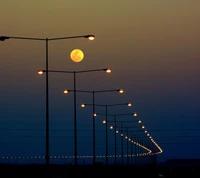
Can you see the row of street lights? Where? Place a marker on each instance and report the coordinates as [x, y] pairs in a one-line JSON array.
[[46, 40]]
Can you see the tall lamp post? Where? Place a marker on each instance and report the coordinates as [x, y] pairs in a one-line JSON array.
[[106, 114], [46, 40], [75, 117], [115, 127], [93, 106]]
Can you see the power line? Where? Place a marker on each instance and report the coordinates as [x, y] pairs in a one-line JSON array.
[[184, 136], [159, 130], [188, 143], [70, 130]]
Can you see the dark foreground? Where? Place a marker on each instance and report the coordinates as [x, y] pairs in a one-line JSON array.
[[68, 171]]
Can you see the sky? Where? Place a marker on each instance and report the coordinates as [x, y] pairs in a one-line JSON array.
[[152, 48]]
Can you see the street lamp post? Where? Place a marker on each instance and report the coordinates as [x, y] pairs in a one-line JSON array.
[[122, 146], [93, 106], [46, 40], [127, 147], [135, 152], [66, 91], [106, 114], [131, 150], [115, 117]]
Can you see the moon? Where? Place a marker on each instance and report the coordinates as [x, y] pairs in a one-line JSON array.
[[77, 55]]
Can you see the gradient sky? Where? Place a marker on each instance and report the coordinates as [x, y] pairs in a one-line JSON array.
[[152, 47]]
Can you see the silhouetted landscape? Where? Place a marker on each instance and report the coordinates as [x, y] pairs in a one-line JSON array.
[[171, 168]]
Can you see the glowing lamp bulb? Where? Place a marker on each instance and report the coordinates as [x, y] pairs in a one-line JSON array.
[[108, 70], [121, 91], [129, 104], [40, 72], [91, 37], [66, 91], [82, 105]]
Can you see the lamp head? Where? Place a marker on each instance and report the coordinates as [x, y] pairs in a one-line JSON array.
[[129, 104], [135, 114], [121, 91], [90, 37], [66, 91], [143, 127], [108, 70], [82, 105], [40, 72]]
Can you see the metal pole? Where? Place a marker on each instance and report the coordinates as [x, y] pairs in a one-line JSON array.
[[94, 144], [141, 157], [47, 105], [127, 148], [106, 137], [135, 151], [115, 140], [131, 150], [122, 154], [75, 130], [138, 160]]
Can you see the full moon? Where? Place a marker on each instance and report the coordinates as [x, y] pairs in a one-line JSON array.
[[77, 55]]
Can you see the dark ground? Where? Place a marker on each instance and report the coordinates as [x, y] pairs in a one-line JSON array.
[[68, 171]]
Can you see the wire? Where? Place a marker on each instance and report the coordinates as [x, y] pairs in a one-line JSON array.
[[159, 130]]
